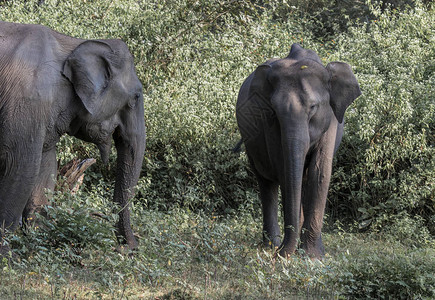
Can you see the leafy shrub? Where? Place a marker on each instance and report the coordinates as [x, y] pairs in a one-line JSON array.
[[385, 168], [326, 19], [72, 223]]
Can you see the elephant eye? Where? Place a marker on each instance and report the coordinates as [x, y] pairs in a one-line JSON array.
[[313, 109], [134, 101]]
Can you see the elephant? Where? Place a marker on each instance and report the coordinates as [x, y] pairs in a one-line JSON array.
[[290, 115], [53, 84]]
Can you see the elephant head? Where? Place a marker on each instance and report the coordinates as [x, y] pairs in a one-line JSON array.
[[290, 113], [103, 76], [299, 85]]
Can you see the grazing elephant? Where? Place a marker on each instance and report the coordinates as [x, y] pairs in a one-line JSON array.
[[51, 84], [290, 115]]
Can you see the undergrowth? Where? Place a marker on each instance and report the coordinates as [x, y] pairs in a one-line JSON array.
[[189, 255]]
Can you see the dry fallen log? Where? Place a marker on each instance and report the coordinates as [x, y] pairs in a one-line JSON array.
[[71, 175]]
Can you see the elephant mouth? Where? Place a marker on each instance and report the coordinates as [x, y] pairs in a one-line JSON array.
[[100, 136]]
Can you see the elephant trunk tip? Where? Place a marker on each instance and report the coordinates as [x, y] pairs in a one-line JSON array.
[[105, 151]]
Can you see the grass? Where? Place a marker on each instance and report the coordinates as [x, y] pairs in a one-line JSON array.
[[186, 255]]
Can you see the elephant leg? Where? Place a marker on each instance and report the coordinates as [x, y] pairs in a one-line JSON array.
[[45, 181], [18, 172], [315, 194], [269, 202]]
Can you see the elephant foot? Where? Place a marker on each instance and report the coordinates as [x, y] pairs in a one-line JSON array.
[[125, 250], [313, 253], [272, 243], [126, 237], [128, 247], [131, 243], [286, 251], [314, 250]]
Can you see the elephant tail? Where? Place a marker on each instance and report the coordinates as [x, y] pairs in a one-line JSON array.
[[238, 147]]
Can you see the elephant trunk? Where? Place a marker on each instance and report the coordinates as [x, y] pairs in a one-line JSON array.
[[295, 147], [129, 139]]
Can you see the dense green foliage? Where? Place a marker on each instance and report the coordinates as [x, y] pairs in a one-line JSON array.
[[385, 170], [192, 57]]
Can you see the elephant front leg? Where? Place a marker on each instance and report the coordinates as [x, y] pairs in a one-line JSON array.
[[45, 181], [18, 172], [269, 201], [314, 198]]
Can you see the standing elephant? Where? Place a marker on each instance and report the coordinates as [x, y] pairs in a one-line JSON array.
[[51, 84], [290, 114]]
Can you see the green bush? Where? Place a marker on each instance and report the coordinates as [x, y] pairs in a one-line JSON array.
[[385, 169], [326, 19], [73, 225]]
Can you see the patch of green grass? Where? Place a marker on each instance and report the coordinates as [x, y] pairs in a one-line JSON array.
[[191, 255]]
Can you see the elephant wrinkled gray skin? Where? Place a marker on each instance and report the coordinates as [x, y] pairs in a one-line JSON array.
[[51, 84], [290, 115]]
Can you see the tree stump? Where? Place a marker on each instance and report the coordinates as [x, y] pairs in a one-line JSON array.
[[71, 175]]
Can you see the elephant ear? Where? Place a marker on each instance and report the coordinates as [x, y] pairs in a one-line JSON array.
[[89, 69], [344, 88], [260, 84]]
